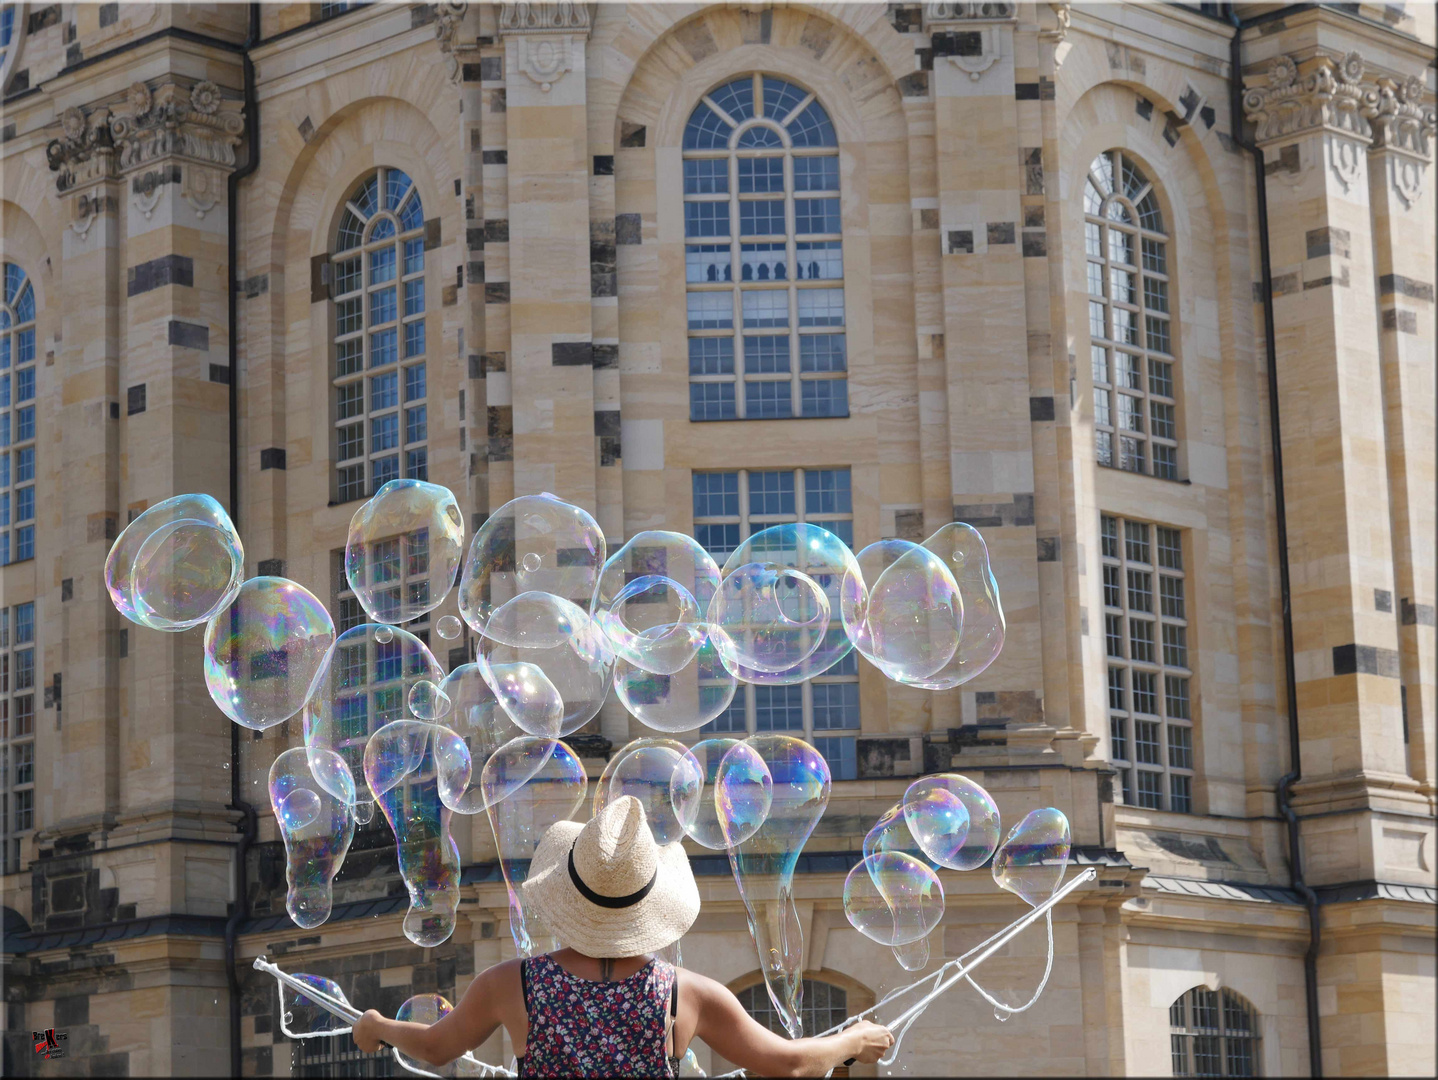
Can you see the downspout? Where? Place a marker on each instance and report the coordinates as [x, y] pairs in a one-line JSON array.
[[247, 829], [1290, 680]]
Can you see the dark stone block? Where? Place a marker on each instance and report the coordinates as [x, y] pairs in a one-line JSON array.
[[1001, 232], [1417, 614], [915, 85], [474, 271], [1405, 322], [1390, 284], [1356, 659], [1041, 408], [926, 59], [909, 525], [256, 286], [424, 979], [610, 450], [928, 219], [271, 568], [421, 15], [906, 18], [501, 449], [471, 72], [272, 457], [571, 354], [498, 101], [1188, 101], [474, 238], [501, 421], [188, 335], [1340, 280], [258, 1061], [491, 68], [166, 270], [433, 234], [496, 292], [1048, 548], [1328, 241], [263, 1025], [1170, 130], [1033, 217], [938, 757], [606, 355], [306, 129], [109, 15], [1026, 91], [986, 697], [44, 17], [496, 231], [1382, 600], [628, 229], [1105, 790], [135, 399], [961, 242], [494, 361], [1046, 89], [631, 136], [603, 283], [603, 164], [606, 421], [1035, 245], [72, 1011], [116, 1064], [1207, 115], [74, 54], [494, 157]]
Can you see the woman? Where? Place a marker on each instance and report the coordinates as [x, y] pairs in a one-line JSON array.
[[604, 1006]]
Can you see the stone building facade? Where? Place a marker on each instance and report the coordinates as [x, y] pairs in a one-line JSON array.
[[701, 267]]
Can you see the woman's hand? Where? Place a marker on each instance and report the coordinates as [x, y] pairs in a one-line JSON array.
[[869, 1041], [366, 1031]]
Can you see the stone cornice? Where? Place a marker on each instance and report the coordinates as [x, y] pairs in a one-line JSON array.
[[1329, 96], [1400, 121], [968, 13], [544, 18]]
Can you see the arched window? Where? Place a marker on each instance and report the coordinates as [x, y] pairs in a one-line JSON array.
[[824, 1005], [381, 420], [763, 255], [17, 418], [1214, 1033], [12, 36], [1129, 320]]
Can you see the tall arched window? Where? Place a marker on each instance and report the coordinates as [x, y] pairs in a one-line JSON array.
[[1135, 422], [1214, 1033], [381, 420], [763, 255], [17, 418]]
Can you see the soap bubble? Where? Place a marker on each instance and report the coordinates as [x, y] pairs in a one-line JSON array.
[[520, 819], [482, 726], [653, 623], [302, 1018], [893, 898], [532, 543], [176, 565], [934, 822], [425, 1009], [555, 639], [316, 824], [683, 701], [1031, 861], [912, 955], [746, 795], [656, 552], [891, 833], [401, 770], [664, 776], [427, 701], [365, 684], [265, 650], [449, 627], [764, 863], [967, 556], [403, 550], [794, 559], [913, 614]]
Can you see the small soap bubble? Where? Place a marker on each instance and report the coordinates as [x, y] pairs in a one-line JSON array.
[[316, 824], [449, 627], [912, 614], [893, 898], [664, 776], [176, 565], [683, 701], [1000, 1015], [303, 1018], [427, 701], [967, 557], [404, 549], [384, 635], [749, 790], [265, 651], [937, 833], [1031, 861], [535, 543]]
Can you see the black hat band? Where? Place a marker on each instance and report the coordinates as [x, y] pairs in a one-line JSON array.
[[600, 900]]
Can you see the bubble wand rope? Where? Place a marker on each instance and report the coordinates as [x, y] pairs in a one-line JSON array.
[[351, 1015]]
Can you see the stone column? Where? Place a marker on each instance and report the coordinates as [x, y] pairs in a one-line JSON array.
[[551, 362]]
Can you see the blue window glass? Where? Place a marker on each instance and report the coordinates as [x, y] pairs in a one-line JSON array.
[[25, 543], [384, 432], [708, 262], [816, 173], [766, 354], [350, 442], [416, 425], [764, 262], [383, 230], [382, 306], [762, 217], [381, 266], [413, 256], [414, 382], [706, 176], [816, 216], [824, 397], [4, 508], [25, 385], [759, 138], [716, 494], [4, 389], [768, 400], [711, 401], [4, 470], [24, 464], [771, 493], [348, 356], [25, 504], [412, 216], [24, 623], [841, 754], [706, 218], [822, 352], [711, 356], [730, 720], [736, 99], [25, 423], [827, 491], [759, 175], [382, 348], [414, 296], [812, 127], [778, 708], [396, 187], [417, 464], [781, 98], [4, 429], [710, 310], [718, 540], [414, 338], [5, 549], [384, 390], [384, 469], [705, 130], [836, 705]]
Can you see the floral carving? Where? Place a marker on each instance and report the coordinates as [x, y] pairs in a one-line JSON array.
[[205, 97], [139, 99]]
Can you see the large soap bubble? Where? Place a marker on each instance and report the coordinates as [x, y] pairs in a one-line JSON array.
[[365, 683], [651, 597], [535, 543], [941, 815], [403, 550], [764, 863], [482, 727], [303, 1018], [265, 650], [1031, 861], [912, 615], [735, 813], [551, 793], [666, 779], [401, 770], [893, 898], [426, 1009], [316, 823], [793, 556], [176, 565], [967, 556], [959, 842], [683, 701]]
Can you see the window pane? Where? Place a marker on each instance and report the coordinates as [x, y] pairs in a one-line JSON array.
[[778, 708], [822, 352], [1180, 747], [1150, 790], [382, 348], [384, 390], [1175, 697], [706, 219], [1175, 646], [771, 493], [711, 401], [382, 306], [716, 494], [711, 356], [1112, 594], [816, 174], [768, 307], [827, 491], [763, 262], [710, 311], [763, 217], [836, 706], [819, 260], [708, 177], [816, 216], [768, 400], [1118, 740], [841, 755], [349, 356], [707, 262], [1115, 688], [1145, 696], [821, 307], [414, 382], [1135, 541], [759, 175], [824, 397], [1141, 640], [1140, 591], [766, 354]]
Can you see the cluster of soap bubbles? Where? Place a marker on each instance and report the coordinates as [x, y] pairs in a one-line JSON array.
[[946, 821], [557, 623]]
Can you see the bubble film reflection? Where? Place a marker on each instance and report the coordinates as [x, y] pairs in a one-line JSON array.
[[403, 550], [264, 652], [301, 1018], [666, 779], [749, 787], [683, 701], [316, 824], [893, 898], [428, 701], [912, 614], [402, 773], [1031, 861], [176, 565], [936, 832], [425, 1009], [571, 655], [966, 555], [481, 727]]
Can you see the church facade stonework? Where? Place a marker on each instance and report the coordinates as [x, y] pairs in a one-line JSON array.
[[878, 267]]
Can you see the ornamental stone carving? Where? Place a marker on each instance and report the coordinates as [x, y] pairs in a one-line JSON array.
[[541, 18], [968, 12], [447, 18], [1403, 131], [548, 35], [84, 153], [1330, 97]]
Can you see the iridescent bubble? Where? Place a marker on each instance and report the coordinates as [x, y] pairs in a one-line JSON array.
[[535, 543], [666, 779], [746, 795], [401, 770], [302, 1018], [683, 701], [265, 650], [481, 726], [403, 550], [767, 618], [653, 623], [1030, 863], [967, 556], [316, 824], [427, 701], [893, 898], [912, 955], [176, 565], [527, 697], [821, 557], [449, 627], [891, 833], [520, 818], [363, 685], [764, 863], [912, 615], [425, 1009], [934, 823]]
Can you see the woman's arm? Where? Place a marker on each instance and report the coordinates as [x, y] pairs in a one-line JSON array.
[[472, 1021], [731, 1032]]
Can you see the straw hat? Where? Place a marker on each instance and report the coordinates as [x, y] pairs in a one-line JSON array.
[[607, 889]]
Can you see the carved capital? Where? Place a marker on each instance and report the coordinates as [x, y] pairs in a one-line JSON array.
[[447, 18], [84, 152], [548, 36], [197, 124], [545, 18], [1403, 129], [1328, 96], [937, 14], [1054, 27]]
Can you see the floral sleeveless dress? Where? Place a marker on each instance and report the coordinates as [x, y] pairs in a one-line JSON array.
[[583, 1028]]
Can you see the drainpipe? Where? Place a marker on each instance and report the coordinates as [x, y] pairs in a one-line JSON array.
[[237, 802], [1286, 782]]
